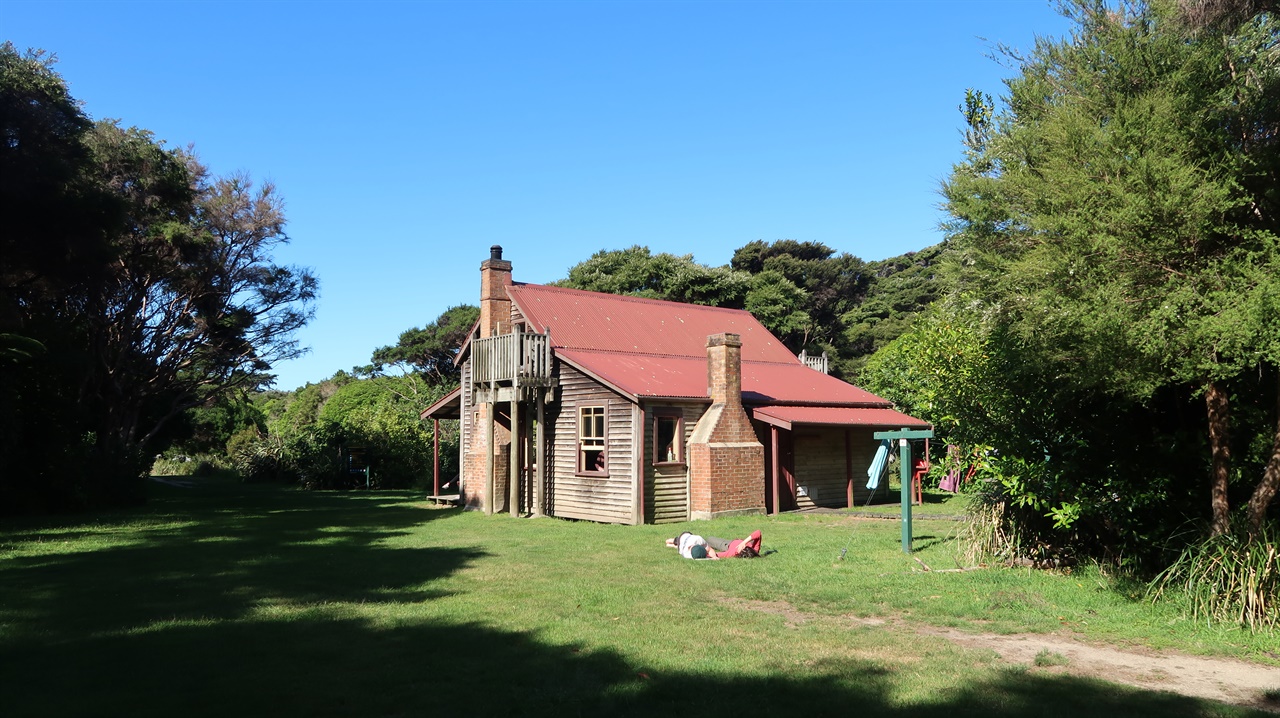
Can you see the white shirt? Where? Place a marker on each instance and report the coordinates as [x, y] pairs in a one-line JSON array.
[[688, 541]]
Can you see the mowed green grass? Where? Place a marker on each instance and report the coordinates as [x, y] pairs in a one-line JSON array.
[[225, 599]]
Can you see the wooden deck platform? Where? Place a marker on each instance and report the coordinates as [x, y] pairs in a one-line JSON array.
[[452, 499]]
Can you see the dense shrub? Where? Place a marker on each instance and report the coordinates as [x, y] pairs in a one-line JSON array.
[[1068, 474], [313, 456]]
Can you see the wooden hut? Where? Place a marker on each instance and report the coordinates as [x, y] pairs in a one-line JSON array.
[[629, 410]]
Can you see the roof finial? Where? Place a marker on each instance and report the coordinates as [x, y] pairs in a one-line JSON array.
[[495, 252]]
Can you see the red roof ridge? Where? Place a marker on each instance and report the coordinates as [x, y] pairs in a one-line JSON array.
[[623, 352], [767, 403], [627, 297], [775, 363]]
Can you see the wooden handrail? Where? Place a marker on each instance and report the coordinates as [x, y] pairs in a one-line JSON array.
[[519, 358]]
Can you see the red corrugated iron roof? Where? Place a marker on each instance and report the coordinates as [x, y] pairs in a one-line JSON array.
[[658, 349], [617, 323], [649, 375], [788, 416]]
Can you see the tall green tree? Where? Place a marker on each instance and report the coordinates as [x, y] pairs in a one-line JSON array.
[[430, 351], [771, 296], [898, 290], [831, 284], [150, 283], [42, 179], [639, 272], [1120, 216], [191, 305]]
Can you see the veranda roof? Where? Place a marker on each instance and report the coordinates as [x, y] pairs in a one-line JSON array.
[[787, 417], [448, 406]]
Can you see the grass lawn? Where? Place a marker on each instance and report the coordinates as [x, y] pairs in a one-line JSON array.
[[936, 503], [225, 599]]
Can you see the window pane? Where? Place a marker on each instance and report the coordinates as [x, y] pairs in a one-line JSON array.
[[666, 438], [591, 422], [593, 461]]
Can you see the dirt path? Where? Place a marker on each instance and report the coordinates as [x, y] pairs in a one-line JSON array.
[[1222, 679]]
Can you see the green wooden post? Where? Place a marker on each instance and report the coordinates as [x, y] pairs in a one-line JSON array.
[[904, 470], [904, 473]]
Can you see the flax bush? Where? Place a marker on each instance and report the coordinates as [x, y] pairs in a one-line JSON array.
[[1232, 578], [258, 457]]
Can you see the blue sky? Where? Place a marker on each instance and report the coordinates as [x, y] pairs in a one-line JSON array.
[[407, 137]]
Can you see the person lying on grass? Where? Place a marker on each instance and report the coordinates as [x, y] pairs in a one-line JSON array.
[[691, 545]]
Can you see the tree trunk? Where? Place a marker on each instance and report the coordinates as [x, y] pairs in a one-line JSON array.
[[1265, 492], [1215, 400]]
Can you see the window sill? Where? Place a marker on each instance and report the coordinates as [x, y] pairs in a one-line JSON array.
[[592, 474]]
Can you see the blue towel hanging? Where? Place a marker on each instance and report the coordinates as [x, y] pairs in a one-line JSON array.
[[876, 470]]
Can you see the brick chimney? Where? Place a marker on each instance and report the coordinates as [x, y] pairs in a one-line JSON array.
[[726, 461], [495, 305], [724, 369], [495, 319]]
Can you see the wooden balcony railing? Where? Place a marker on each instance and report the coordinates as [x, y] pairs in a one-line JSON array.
[[815, 363], [516, 359]]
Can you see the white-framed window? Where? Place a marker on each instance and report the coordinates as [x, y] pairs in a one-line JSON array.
[[592, 453]]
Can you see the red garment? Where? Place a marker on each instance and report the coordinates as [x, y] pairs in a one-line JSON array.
[[735, 545]]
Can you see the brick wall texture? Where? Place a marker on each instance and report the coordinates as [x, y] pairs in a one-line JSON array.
[[473, 461], [495, 305]]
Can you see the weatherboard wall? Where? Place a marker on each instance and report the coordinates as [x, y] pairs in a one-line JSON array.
[[570, 494], [820, 467], [666, 486]]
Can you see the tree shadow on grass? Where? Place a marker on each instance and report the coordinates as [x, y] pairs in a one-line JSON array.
[[924, 542], [219, 560], [351, 668], [937, 496]]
